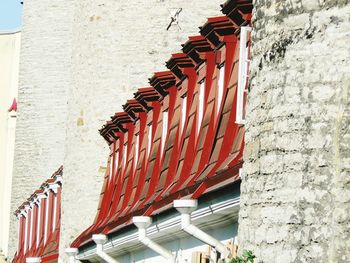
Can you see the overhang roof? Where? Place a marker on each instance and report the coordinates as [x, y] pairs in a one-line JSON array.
[[49, 250], [194, 161]]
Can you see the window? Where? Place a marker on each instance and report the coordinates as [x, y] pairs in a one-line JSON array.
[[20, 218], [149, 142], [200, 111], [242, 74], [136, 156], [165, 130], [38, 226], [220, 91], [26, 232], [46, 217], [54, 212], [31, 224], [116, 163], [183, 113], [125, 156]]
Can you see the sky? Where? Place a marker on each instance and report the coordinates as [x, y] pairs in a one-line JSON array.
[[10, 14]]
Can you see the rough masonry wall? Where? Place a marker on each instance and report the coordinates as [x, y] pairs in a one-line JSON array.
[[295, 203], [117, 47], [43, 81]]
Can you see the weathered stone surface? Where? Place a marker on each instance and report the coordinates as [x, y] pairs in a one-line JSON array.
[[80, 61], [295, 203], [117, 45], [44, 79]]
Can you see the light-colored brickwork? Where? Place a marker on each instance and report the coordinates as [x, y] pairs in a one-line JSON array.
[[295, 203], [117, 47], [91, 55], [43, 82]]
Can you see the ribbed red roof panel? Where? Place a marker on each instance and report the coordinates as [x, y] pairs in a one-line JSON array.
[[186, 142], [48, 250]]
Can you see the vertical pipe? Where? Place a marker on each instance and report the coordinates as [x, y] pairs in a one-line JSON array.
[[71, 252], [242, 73]]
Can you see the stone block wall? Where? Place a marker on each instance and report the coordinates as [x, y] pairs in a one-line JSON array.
[[295, 203], [80, 61], [116, 47], [44, 78]]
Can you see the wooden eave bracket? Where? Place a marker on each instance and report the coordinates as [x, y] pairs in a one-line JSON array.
[[216, 28], [108, 132], [120, 119], [146, 96], [133, 108], [239, 11], [51, 180], [161, 81], [178, 63], [196, 48]]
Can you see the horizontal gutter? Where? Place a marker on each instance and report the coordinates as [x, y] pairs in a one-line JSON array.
[[171, 225]]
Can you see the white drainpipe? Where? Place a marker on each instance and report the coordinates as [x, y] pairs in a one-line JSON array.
[[186, 207], [100, 240], [33, 260], [142, 223], [242, 73], [71, 252]]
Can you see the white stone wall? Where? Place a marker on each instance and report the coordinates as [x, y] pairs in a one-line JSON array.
[[117, 45], [92, 55], [295, 203], [42, 98]]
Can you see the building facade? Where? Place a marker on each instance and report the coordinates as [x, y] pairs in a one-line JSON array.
[[116, 45], [44, 78], [180, 137], [72, 58], [9, 61]]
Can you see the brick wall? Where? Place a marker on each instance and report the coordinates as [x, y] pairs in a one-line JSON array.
[[295, 203]]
